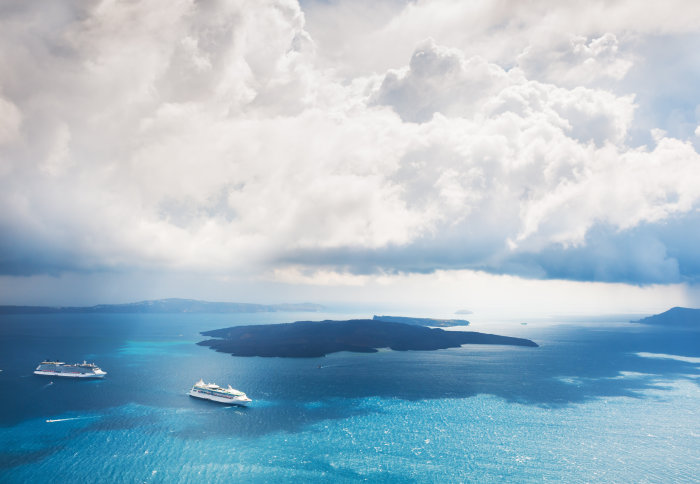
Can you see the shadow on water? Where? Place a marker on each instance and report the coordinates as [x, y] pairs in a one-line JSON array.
[[14, 458], [572, 365]]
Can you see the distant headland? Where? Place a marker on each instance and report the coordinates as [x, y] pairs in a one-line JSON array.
[[674, 317], [173, 305], [442, 323], [304, 339]]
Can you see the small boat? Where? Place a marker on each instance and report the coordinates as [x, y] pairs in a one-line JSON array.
[[213, 392]]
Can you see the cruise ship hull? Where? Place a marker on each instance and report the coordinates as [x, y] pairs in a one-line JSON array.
[[230, 400], [70, 374]]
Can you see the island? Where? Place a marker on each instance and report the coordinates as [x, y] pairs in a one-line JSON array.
[[442, 323], [674, 317], [304, 339], [463, 311], [172, 305]]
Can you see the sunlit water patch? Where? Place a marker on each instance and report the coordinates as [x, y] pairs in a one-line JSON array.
[[160, 348], [687, 359]]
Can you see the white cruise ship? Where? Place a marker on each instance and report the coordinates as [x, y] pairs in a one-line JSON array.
[[75, 370], [211, 391]]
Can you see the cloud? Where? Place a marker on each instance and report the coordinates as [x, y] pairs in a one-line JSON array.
[[10, 122], [359, 37], [576, 61], [439, 79], [218, 138], [442, 80]]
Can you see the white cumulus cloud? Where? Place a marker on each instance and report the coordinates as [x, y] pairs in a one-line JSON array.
[[220, 137]]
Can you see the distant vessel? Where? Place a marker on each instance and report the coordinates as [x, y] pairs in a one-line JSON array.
[[76, 370], [211, 391]]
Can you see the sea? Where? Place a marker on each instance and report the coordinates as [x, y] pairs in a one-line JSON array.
[[597, 401]]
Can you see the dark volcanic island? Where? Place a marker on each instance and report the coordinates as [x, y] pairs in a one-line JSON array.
[[305, 339]]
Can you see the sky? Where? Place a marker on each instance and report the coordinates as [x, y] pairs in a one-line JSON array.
[[531, 157]]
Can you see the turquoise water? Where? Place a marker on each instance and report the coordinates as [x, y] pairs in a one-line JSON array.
[[607, 403]]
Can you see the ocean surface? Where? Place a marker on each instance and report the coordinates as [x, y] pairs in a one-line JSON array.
[[596, 402]]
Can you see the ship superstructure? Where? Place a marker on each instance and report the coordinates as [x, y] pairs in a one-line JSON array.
[[212, 391], [75, 370]]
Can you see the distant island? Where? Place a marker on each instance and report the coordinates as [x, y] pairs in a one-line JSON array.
[[442, 323], [173, 305], [463, 311], [304, 339], [674, 317]]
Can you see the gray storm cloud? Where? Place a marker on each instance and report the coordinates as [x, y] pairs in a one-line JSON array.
[[217, 137]]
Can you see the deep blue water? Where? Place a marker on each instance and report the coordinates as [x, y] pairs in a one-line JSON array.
[[595, 402]]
